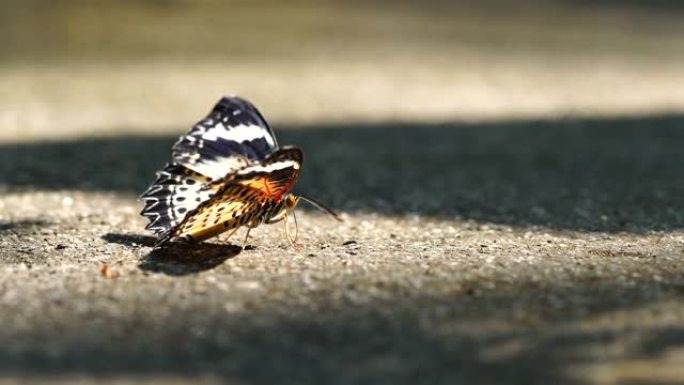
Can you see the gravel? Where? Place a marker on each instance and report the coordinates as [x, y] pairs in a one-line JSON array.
[[469, 254]]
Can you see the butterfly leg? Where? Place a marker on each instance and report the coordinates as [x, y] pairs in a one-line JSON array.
[[250, 226], [227, 237], [244, 243], [277, 218], [293, 241], [282, 216]]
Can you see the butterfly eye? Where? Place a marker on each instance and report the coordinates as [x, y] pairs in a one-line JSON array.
[[291, 201]]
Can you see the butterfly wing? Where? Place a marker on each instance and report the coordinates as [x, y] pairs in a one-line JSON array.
[[275, 176], [232, 207], [250, 195], [176, 191], [232, 136]]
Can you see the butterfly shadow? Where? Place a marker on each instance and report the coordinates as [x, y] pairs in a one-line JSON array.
[[177, 259]]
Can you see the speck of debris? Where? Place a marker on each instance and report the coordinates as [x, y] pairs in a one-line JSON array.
[[107, 272], [60, 247], [347, 243], [250, 247]]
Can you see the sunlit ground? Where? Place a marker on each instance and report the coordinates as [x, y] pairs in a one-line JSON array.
[[105, 69], [510, 178]]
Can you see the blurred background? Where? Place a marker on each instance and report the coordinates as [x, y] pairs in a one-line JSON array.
[[83, 68]]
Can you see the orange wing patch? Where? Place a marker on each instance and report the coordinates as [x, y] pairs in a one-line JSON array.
[[275, 176], [270, 188]]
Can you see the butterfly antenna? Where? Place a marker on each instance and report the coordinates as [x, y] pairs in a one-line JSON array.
[[321, 207]]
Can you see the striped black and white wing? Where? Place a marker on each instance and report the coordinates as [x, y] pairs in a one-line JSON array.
[[232, 136], [176, 191]]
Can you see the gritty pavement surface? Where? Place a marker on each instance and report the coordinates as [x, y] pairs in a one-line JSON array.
[[508, 219], [469, 254]]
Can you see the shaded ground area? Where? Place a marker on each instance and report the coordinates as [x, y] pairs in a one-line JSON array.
[[619, 174], [471, 253]]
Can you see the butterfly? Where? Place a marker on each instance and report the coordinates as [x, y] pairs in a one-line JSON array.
[[227, 172]]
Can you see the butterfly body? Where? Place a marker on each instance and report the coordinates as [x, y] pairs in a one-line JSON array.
[[209, 228], [227, 172]]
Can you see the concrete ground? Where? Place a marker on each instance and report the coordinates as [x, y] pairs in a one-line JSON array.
[[509, 219]]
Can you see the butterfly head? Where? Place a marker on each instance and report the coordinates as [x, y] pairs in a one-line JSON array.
[[291, 201]]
